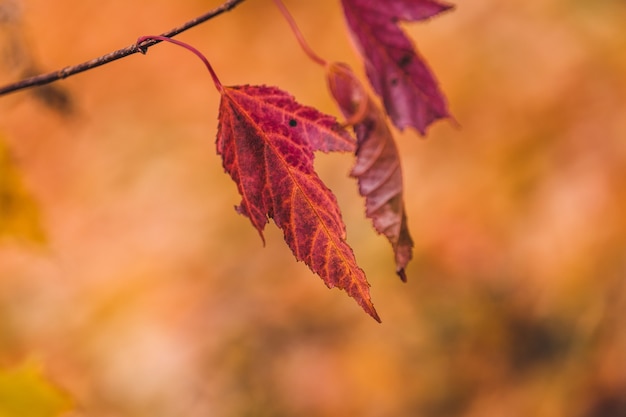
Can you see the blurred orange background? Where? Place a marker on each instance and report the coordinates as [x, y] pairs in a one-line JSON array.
[[151, 296]]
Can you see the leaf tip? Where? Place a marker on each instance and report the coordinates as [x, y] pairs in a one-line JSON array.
[[448, 7], [259, 227], [367, 305], [372, 312], [402, 274]]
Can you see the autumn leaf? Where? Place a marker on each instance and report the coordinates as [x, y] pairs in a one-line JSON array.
[[398, 74], [19, 214], [377, 166], [266, 140]]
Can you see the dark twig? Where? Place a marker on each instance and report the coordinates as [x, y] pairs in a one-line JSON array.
[[43, 79]]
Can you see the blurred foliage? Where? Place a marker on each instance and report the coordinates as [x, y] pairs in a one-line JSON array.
[[24, 392], [156, 299], [19, 215], [18, 60]]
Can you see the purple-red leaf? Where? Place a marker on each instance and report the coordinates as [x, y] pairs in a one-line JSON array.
[[398, 74], [266, 140], [377, 165]]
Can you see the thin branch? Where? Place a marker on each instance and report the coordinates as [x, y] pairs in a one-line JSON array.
[[63, 73]]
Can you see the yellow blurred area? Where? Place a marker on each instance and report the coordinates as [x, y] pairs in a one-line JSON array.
[[19, 216], [24, 392], [153, 297]]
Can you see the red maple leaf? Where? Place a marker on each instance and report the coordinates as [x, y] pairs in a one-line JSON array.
[[377, 167], [398, 74], [266, 140]]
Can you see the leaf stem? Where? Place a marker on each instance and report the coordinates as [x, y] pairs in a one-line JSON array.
[[68, 71], [296, 31], [147, 38]]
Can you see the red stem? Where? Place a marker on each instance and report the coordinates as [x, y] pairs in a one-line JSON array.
[[296, 31], [188, 47]]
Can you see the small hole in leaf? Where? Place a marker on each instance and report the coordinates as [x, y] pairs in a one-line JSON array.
[[405, 60], [293, 122]]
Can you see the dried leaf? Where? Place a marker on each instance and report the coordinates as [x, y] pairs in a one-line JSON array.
[[398, 74], [266, 140], [377, 165]]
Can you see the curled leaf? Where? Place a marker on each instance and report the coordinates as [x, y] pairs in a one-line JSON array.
[[377, 166], [398, 74], [266, 140]]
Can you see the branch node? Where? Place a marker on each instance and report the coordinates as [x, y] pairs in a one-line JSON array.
[[143, 45]]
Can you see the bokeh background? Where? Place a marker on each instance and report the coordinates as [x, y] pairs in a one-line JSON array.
[[130, 287]]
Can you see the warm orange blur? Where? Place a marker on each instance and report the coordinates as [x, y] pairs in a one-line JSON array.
[[153, 297]]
